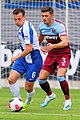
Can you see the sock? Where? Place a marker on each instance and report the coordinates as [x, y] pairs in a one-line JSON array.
[[14, 88], [46, 87], [30, 96], [65, 89]]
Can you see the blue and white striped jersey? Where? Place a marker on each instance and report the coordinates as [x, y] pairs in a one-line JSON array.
[[28, 35]]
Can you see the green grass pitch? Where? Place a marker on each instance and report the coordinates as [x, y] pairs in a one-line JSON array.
[[54, 111]]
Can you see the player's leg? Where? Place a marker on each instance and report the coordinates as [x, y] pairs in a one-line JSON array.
[[32, 72], [44, 84], [65, 87], [30, 91], [18, 69], [13, 83]]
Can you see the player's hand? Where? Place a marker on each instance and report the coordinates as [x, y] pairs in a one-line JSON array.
[[43, 49], [49, 47], [13, 59]]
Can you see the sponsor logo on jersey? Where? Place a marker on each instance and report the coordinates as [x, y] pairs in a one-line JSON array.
[[51, 37]]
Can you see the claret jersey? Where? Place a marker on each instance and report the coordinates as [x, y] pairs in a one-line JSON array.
[[53, 33]]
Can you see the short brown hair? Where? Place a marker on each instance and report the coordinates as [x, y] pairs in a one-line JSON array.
[[47, 9], [18, 10]]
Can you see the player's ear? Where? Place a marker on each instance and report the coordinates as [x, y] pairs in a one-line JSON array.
[[24, 16], [53, 15]]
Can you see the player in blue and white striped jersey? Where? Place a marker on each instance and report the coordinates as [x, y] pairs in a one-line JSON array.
[[29, 61]]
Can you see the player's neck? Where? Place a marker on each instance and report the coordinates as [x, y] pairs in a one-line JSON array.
[[51, 22]]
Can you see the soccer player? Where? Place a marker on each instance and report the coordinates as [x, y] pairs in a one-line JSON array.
[[29, 61], [58, 55]]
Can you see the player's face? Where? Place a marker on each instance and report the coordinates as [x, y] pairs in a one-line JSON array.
[[19, 19], [47, 18]]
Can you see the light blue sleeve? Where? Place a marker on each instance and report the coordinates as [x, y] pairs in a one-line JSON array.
[[61, 29]]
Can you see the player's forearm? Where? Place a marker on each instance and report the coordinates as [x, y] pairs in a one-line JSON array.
[[19, 56], [40, 41], [24, 53], [41, 38], [60, 45], [63, 43], [50, 46]]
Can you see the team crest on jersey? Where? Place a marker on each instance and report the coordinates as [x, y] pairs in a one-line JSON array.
[[53, 30]]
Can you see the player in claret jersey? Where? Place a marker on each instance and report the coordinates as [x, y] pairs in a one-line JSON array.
[[58, 55]]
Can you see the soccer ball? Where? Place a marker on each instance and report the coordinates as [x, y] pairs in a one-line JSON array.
[[15, 104]]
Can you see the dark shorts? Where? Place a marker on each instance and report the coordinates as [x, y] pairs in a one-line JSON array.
[[52, 62]]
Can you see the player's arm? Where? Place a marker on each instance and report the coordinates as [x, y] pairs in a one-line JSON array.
[[63, 37], [64, 41], [62, 44], [40, 38], [26, 51]]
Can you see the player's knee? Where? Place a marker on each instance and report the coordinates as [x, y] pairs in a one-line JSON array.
[[11, 81], [42, 77], [41, 81], [60, 78], [29, 88]]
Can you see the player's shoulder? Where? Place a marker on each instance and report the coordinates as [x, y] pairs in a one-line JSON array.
[[58, 22], [27, 25]]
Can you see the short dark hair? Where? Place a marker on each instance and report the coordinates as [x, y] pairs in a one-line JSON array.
[[18, 10], [47, 9]]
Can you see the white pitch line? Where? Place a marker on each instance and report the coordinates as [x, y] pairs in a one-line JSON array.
[[40, 114]]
